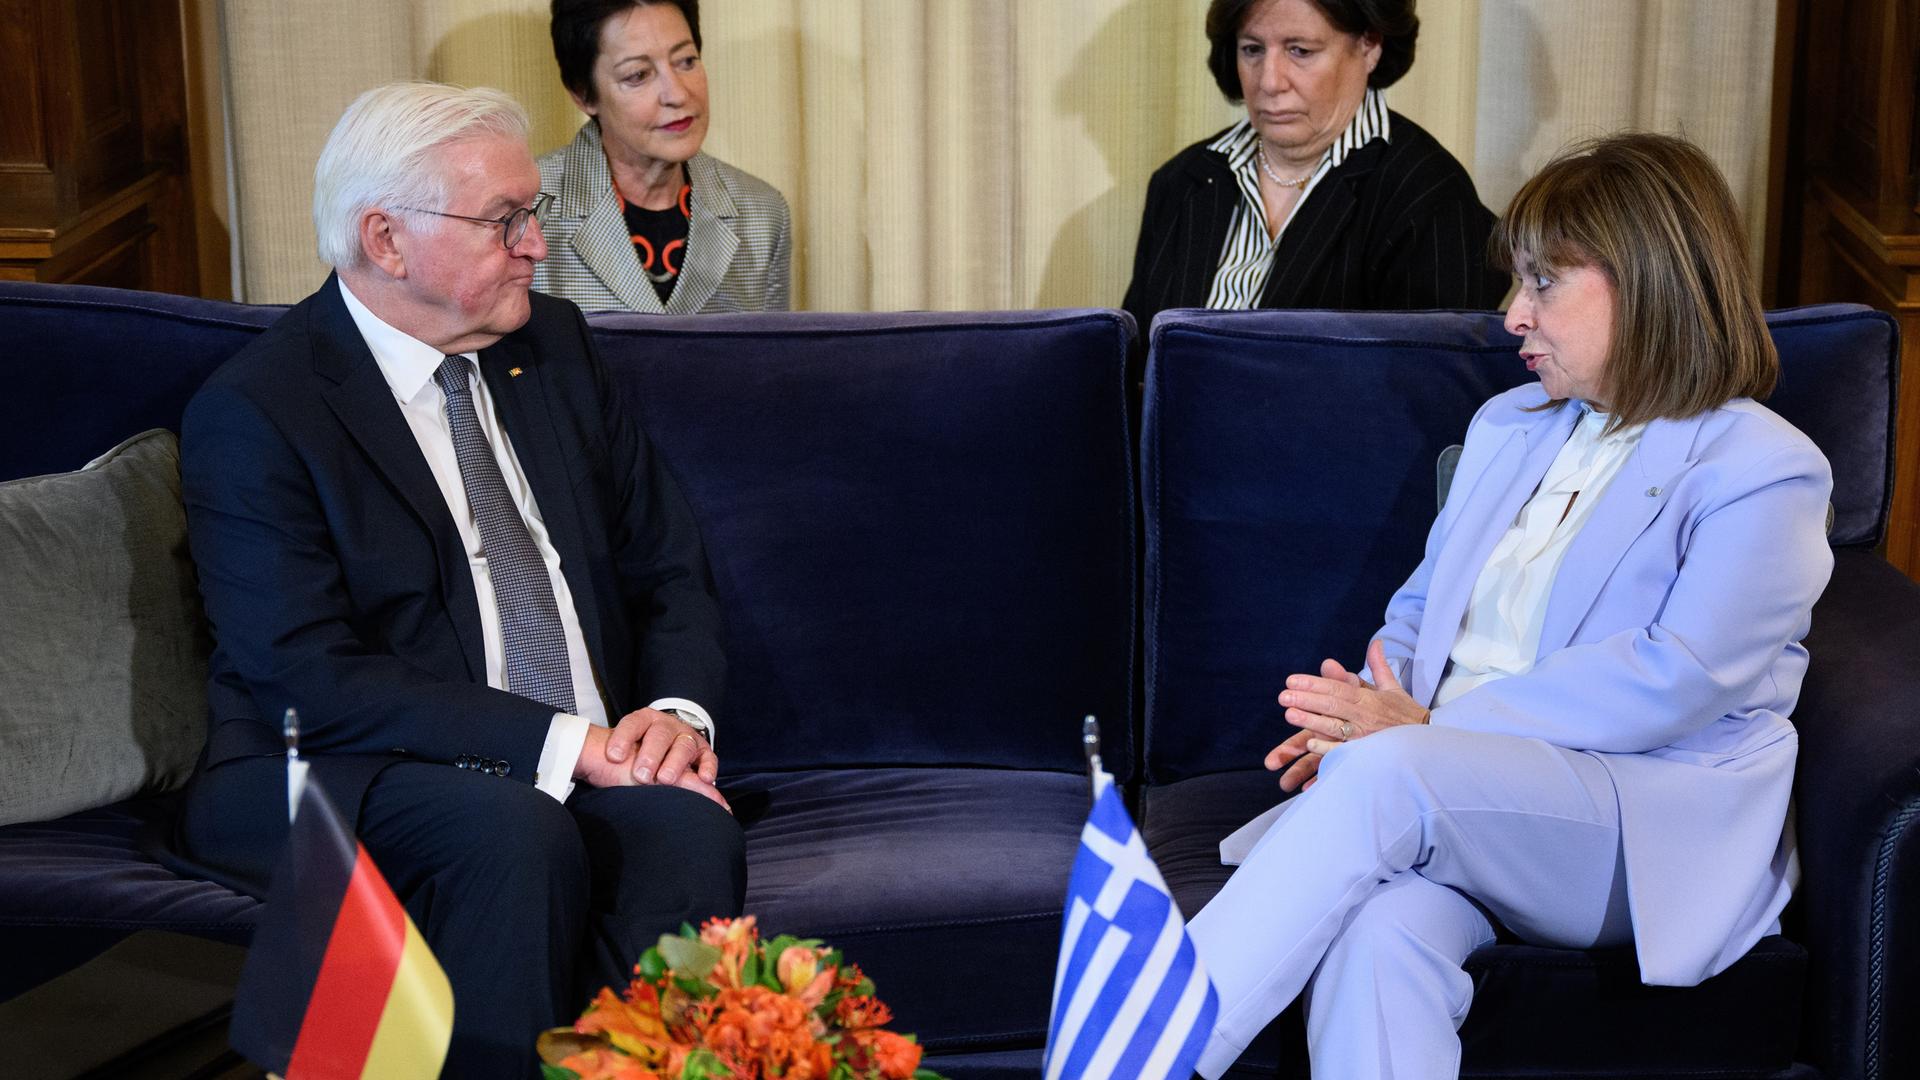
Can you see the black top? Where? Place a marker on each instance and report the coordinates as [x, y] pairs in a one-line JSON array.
[[660, 239], [1396, 227]]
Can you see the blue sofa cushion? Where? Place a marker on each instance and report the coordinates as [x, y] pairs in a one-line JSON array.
[[920, 527], [1536, 1011], [944, 884], [1276, 530]]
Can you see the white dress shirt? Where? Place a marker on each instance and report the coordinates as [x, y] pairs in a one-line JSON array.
[[1501, 630], [409, 365]]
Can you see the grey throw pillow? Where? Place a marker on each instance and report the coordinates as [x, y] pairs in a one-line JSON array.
[[103, 652]]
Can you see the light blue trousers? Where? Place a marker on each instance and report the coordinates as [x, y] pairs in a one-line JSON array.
[[1370, 891]]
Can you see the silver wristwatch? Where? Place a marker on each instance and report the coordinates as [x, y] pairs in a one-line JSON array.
[[700, 727]]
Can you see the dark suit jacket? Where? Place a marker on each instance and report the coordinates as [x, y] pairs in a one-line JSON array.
[[335, 579], [1397, 227]]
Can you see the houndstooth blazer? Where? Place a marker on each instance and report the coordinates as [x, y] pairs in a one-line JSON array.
[[739, 242]]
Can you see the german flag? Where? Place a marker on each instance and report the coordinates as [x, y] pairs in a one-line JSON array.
[[339, 983]]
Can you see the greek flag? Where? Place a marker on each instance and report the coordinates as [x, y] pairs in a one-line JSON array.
[[1130, 999]]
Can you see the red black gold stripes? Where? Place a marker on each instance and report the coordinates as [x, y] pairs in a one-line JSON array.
[[339, 983]]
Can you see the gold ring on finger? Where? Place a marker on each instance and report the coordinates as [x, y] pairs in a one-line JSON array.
[[1346, 729]]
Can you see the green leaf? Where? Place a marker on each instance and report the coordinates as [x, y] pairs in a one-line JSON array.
[[750, 971], [687, 931], [651, 966], [555, 1072], [698, 989], [927, 1074], [687, 956], [704, 1064]]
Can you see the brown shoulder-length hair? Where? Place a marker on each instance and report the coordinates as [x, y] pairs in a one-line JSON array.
[[1656, 217]]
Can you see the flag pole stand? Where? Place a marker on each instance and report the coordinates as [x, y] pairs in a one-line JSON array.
[[1090, 744]]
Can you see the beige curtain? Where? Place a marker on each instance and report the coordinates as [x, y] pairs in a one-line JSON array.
[[974, 154], [1552, 72]]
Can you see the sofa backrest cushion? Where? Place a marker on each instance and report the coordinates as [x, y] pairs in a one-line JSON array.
[[920, 526], [85, 367], [1288, 462], [1839, 366], [103, 652]]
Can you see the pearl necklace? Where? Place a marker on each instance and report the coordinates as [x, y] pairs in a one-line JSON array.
[[1261, 153]]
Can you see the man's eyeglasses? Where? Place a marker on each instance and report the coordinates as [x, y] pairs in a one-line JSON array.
[[513, 226]]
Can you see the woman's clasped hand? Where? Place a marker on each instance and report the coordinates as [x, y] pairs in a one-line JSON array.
[[1338, 706]]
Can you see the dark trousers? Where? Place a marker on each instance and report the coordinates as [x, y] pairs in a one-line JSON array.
[[530, 906]]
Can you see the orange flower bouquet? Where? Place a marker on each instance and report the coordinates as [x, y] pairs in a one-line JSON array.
[[722, 1003]]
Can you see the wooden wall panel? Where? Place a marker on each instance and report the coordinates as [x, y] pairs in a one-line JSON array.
[[94, 184], [27, 187], [1855, 193]]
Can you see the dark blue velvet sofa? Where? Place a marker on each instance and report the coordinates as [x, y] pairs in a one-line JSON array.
[[921, 529], [925, 533]]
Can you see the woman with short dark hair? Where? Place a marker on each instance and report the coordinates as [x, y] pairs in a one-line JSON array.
[[642, 219], [1321, 197], [1574, 724]]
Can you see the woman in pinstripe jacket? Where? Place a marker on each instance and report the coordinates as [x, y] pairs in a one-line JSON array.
[[1320, 198], [642, 220]]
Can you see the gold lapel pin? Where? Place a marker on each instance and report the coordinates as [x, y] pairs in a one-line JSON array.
[[514, 371]]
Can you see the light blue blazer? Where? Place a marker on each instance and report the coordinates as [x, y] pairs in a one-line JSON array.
[[1670, 651]]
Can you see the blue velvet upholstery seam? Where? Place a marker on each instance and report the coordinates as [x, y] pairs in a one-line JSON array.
[[1877, 930]]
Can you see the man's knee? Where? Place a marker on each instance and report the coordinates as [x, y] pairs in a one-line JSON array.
[[460, 825], [684, 846]]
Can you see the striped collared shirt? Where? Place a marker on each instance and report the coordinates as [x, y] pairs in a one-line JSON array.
[[1247, 258]]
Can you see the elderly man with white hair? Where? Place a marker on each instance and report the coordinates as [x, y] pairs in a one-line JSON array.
[[422, 518]]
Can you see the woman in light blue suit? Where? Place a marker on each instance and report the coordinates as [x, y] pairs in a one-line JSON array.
[[1574, 721]]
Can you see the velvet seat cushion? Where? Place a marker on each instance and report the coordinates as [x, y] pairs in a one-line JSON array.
[[1536, 1011], [76, 884], [946, 885]]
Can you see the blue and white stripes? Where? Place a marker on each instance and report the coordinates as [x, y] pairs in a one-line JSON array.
[[1130, 998]]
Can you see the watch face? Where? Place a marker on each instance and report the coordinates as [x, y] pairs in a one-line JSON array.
[[692, 721]]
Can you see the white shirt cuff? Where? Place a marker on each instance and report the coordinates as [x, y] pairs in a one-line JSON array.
[[665, 703], [566, 734]]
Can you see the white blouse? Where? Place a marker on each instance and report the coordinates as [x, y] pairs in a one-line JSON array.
[[1501, 630]]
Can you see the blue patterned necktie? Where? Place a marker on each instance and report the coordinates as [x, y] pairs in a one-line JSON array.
[[531, 637]]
